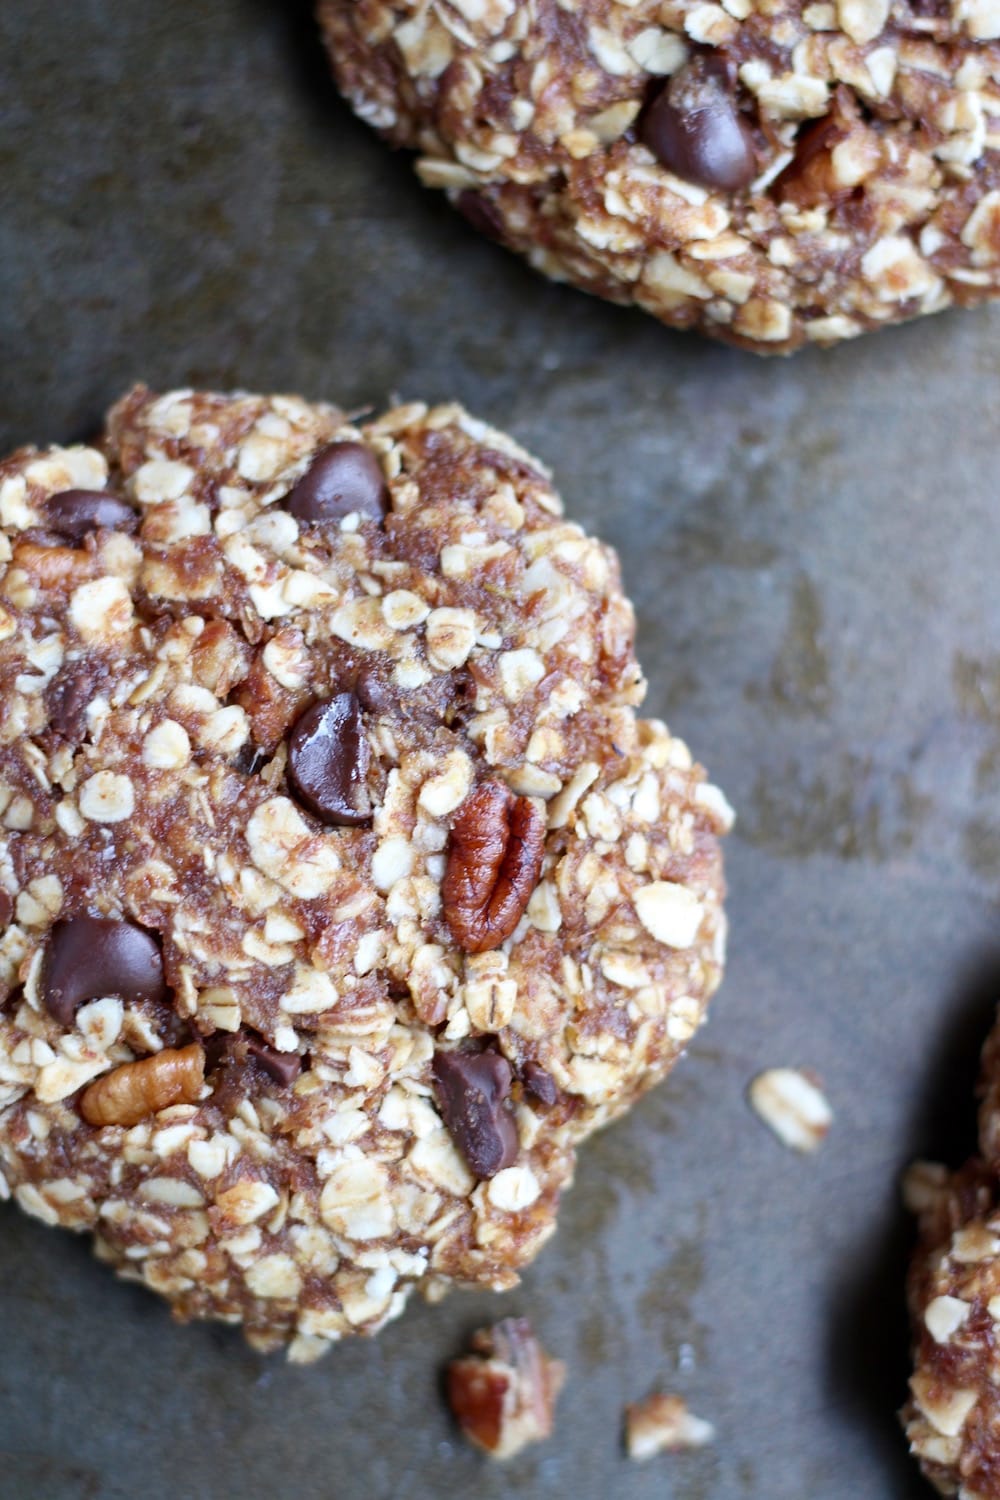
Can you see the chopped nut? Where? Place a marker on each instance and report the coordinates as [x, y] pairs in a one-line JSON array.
[[662, 1423], [503, 1395]]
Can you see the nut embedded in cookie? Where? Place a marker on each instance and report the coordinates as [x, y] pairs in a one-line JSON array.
[[343, 891]]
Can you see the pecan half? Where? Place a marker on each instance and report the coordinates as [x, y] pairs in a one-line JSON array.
[[138, 1089], [494, 860], [503, 1395]]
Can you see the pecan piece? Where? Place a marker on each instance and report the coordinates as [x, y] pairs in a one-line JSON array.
[[271, 708], [221, 658], [494, 860], [503, 1395], [53, 567], [138, 1089], [663, 1423], [833, 156]]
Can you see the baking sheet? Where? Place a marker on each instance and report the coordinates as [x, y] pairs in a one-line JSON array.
[[811, 548]]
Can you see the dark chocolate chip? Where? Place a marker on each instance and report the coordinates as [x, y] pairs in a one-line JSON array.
[[67, 698], [74, 513], [482, 213], [283, 1067], [374, 695], [695, 129], [249, 759], [328, 758], [217, 1049], [90, 957], [540, 1083], [6, 907], [471, 1090], [342, 478]]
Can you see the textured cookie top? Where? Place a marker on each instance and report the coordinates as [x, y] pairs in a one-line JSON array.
[[337, 871], [772, 173], [953, 1417]]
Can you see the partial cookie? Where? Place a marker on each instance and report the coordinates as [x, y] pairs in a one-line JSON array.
[[343, 892], [774, 175], [953, 1417]]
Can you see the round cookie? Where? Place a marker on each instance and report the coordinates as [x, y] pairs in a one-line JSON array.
[[953, 1416], [775, 175], [342, 891]]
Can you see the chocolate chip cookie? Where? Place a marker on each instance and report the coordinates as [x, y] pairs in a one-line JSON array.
[[775, 175], [342, 892], [953, 1417]]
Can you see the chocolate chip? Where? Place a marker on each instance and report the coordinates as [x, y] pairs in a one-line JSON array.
[[67, 698], [283, 1067], [328, 759], [471, 1089], [217, 1047], [249, 759], [6, 907], [481, 213], [374, 695], [695, 129], [342, 478], [90, 957], [539, 1083], [74, 513]]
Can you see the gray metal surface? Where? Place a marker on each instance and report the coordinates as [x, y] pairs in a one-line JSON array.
[[812, 550]]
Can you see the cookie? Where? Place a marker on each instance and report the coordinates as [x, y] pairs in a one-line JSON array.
[[773, 174], [342, 890], [953, 1416]]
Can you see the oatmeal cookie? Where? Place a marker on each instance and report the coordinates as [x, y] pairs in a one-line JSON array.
[[953, 1417], [342, 892], [774, 174]]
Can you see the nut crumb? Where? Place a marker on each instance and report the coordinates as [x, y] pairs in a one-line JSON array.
[[503, 1395], [662, 1423]]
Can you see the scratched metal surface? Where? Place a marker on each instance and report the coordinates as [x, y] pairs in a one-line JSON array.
[[811, 547]]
